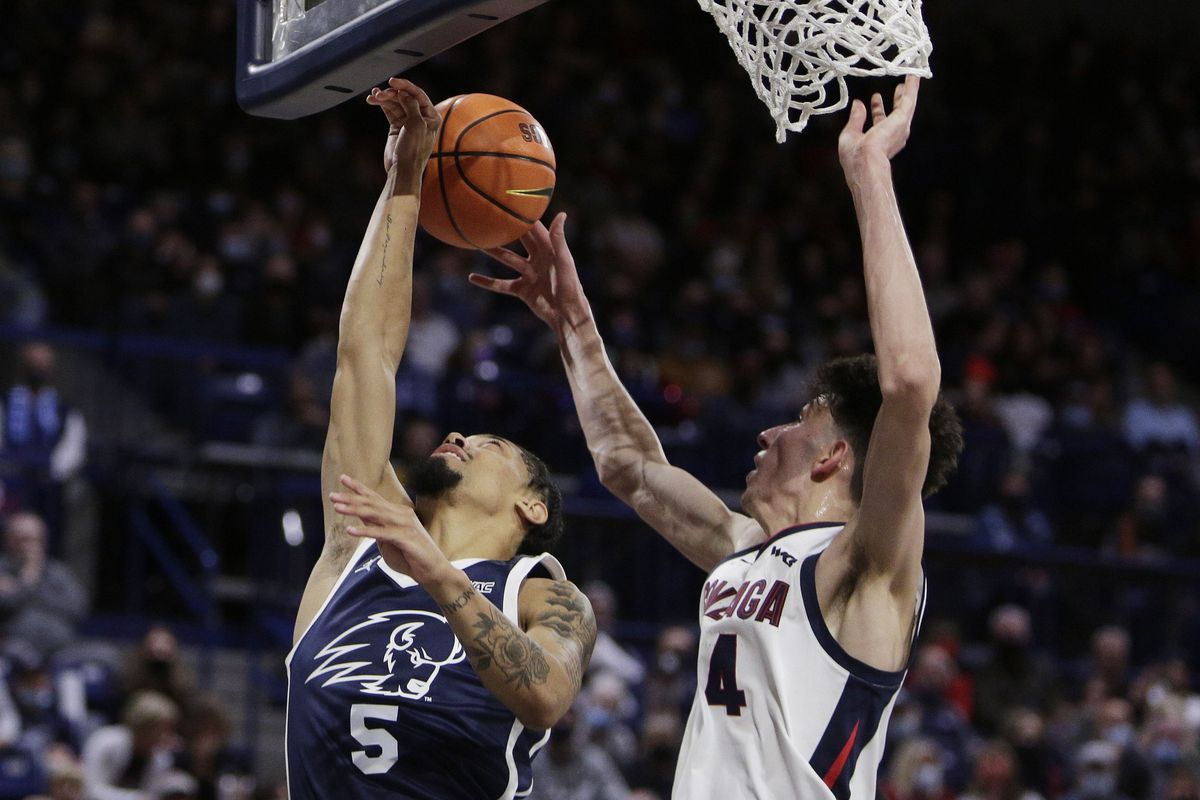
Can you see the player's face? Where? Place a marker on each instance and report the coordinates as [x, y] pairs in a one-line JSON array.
[[787, 453], [492, 468]]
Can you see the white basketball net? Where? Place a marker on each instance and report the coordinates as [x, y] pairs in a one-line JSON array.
[[798, 53]]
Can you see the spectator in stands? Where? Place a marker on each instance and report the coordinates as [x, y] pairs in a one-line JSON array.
[[299, 424], [66, 779], [1096, 773], [1109, 661], [35, 700], [1157, 420], [1113, 723], [1013, 675], [156, 666], [608, 707], [128, 761], [1011, 521], [995, 775], [916, 772], [608, 655], [932, 674], [41, 602], [1040, 765], [219, 769], [671, 682], [40, 431], [1085, 465], [1182, 784], [662, 736], [573, 769]]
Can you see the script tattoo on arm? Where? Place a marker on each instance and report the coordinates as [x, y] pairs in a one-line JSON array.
[[459, 602], [500, 644], [387, 238]]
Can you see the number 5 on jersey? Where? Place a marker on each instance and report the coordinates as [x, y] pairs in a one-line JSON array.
[[722, 688]]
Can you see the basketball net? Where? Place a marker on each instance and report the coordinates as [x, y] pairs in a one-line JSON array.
[[799, 54]]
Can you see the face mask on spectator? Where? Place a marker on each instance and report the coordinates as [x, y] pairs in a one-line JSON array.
[[1096, 784], [928, 779], [1165, 752], [1120, 735]]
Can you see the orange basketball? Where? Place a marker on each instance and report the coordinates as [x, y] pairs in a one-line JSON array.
[[491, 174]]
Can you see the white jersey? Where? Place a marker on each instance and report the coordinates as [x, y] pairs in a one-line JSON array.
[[781, 710]]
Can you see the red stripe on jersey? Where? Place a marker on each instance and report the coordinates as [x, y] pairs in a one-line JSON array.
[[835, 770]]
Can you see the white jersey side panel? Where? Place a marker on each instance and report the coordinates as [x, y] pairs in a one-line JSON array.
[[781, 711]]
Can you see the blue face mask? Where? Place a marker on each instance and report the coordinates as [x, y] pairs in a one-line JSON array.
[[1165, 752], [928, 779], [1120, 735], [1097, 784]]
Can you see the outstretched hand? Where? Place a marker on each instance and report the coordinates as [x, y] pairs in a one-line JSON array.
[[403, 541], [546, 278], [413, 125], [888, 132]]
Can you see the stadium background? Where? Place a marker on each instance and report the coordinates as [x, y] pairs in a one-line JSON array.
[[185, 264]]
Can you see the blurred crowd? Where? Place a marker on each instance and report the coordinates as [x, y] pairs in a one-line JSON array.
[[79, 720], [999, 719], [1056, 223]]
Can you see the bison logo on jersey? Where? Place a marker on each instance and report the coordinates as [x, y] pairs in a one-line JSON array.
[[418, 645]]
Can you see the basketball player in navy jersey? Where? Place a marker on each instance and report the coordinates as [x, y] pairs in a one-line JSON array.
[[430, 659], [815, 594]]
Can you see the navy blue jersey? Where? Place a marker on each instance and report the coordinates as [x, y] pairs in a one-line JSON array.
[[383, 703]]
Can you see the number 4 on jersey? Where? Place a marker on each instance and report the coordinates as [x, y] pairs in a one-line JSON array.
[[722, 688]]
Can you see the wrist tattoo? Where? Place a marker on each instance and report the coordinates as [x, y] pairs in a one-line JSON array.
[[499, 644], [457, 604]]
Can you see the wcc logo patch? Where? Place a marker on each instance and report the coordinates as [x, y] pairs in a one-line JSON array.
[[392, 654]]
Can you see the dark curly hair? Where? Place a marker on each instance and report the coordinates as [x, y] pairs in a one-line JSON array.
[[849, 387], [540, 538]]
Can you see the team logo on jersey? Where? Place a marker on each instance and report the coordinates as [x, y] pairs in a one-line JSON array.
[[419, 645]]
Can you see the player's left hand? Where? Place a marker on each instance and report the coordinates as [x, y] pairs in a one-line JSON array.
[[413, 125], [888, 133], [403, 541]]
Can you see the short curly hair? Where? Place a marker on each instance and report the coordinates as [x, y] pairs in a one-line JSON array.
[[540, 538], [849, 387]]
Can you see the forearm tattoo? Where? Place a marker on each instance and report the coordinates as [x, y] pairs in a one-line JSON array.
[[458, 603], [500, 644], [387, 238]]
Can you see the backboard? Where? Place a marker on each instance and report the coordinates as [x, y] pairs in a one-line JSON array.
[[298, 57]]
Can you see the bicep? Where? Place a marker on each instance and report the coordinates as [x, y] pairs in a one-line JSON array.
[[558, 617], [889, 531], [690, 516]]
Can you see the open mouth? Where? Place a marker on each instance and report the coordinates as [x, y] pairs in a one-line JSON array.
[[451, 450]]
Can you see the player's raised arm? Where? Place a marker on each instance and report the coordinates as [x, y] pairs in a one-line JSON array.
[[887, 537], [372, 332], [628, 456]]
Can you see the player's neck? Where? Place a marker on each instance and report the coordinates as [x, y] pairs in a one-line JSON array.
[[821, 505], [463, 531]]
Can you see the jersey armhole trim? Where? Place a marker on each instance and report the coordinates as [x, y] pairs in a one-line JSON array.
[[346, 571], [516, 578], [816, 621]]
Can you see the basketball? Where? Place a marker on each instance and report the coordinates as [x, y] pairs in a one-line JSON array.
[[491, 173]]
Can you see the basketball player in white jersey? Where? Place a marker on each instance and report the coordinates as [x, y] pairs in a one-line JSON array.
[[814, 594]]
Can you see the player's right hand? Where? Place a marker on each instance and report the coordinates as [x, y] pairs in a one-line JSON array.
[[403, 541], [546, 279], [413, 125]]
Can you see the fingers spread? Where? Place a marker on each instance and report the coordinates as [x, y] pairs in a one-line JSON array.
[[499, 285], [857, 118]]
